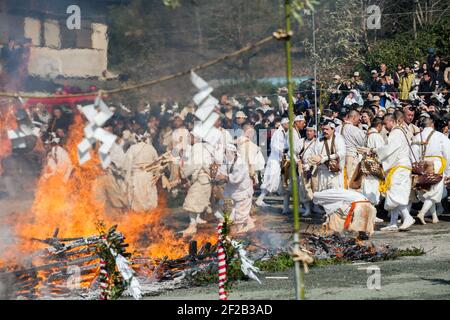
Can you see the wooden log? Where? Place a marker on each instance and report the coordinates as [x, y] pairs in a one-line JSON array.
[[193, 248]]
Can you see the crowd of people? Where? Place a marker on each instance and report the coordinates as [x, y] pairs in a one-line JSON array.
[[381, 144]]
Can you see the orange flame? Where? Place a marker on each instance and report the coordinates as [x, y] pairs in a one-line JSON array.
[[72, 208], [7, 122]]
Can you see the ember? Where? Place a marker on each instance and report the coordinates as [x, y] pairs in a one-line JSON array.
[[346, 249]]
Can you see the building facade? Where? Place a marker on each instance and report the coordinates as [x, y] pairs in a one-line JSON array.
[[56, 50]]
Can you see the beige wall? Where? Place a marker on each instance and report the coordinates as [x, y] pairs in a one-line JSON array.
[[47, 62], [52, 34], [32, 30]]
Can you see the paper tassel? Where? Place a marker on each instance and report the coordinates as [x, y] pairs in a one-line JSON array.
[[247, 266], [97, 115], [128, 275]]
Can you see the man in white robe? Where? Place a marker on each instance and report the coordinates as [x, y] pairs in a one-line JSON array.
[[354, 137], [326, 179], [272, 175], [110, 187], [141, 189], [239, 188], [431, 145], [299, 125], [198, 168], [250, 152], [395, 158], [180, 146], [305, 169], [58, 160], [370, 186]]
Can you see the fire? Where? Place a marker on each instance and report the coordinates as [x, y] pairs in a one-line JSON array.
[[72, 208], [7, 122]]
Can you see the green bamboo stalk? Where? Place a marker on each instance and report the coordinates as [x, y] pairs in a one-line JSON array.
[[299, 276]]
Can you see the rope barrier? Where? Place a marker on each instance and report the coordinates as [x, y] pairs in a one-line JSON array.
[[208, 64]]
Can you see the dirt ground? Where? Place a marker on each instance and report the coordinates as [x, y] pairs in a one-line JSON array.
[[424, 277]]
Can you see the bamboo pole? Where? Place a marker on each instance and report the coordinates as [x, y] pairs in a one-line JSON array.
[[299, 285]]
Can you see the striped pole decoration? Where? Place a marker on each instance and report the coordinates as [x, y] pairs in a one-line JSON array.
[[223, 295], [104, 280]]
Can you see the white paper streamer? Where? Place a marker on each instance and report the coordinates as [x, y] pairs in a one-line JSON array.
[[97, 115], [128, 275], [247, 266]]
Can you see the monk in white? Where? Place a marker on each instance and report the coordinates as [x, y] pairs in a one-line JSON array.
[[305, 178], [326, 178], [250, 152], [370, 186], [346, 210], [272, 174], [141, 189], [198, 169], [395, 158], [58, 160], [354, 137], [110, 188], [299, 125], [433, 146], [180, 146], [239, 188]]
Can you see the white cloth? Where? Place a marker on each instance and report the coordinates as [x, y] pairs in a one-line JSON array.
[[141, 191], [327, 179], [272, 174], [305, 187], [396, 153], [438, 146], [371, 185], [181, 143], [198, 168], [251, 154], [333, 199], [353, 136], [58, 163], [239, 188]]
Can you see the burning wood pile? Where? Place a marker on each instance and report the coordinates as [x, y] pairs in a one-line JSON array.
[[344, 248], [70, 268]]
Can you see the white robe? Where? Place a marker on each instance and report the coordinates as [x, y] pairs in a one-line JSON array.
[[272, 174], [198, 168], [58, 162], [396, 153], [305, 186], [239, 188], [141, 191], [326, 179], [251, 154], [370, 184], [438, 146]]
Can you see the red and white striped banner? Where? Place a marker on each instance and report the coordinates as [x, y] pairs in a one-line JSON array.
[[104, 280], [223, 294]]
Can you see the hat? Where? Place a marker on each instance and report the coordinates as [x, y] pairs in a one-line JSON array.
[[329, 123], [241, 114], [356, 74], [263, 101], [425, 115], [311, 125], [299, 118], [337, 77], [231, 147], [373, 71], [282, 90], [284, 121]]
